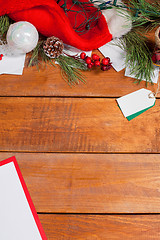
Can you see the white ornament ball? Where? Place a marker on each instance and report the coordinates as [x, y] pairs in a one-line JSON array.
[[22, 37]]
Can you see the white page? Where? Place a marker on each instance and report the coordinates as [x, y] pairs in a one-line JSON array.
[[154, 78], [16, 219], [16, 72], [11, 64], [115, 53]]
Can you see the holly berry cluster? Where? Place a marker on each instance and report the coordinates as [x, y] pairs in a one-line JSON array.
[[1, 55], [156, 57], [95, 61]]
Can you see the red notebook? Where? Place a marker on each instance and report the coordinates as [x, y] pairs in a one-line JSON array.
[[18, 216]]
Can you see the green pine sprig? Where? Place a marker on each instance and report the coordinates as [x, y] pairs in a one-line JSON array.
[[4, 24], [70, 66], [39, 57], [144, 14], [138, 55], [71, 69]]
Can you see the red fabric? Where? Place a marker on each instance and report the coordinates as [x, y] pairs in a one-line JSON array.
[[50, 20]]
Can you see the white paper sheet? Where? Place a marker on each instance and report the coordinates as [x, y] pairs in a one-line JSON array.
[[115, 53], [16, 219], [154, 78], [11, 64]]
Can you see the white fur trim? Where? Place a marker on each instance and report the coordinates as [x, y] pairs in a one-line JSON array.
[[119, 22]]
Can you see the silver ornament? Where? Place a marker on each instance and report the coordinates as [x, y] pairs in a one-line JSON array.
[[22, 37]]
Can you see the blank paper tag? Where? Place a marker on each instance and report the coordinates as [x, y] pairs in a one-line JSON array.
[[135, 103]]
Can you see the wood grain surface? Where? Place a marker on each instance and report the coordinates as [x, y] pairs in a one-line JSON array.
[[92, 183], [97, 227], [75, 125], [91, 174], [48, 82]]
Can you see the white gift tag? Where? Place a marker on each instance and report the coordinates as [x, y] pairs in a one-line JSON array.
[[135, 103]]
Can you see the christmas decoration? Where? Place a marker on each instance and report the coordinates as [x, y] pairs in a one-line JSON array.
[[106, 64], [70, 66], [95, 61], [53, 47], [88, 60], [90, 65], [22, 37], [1, 56], [105, 61], [4, 24], [157, 38], [77, 23], [88, 25], [119, 22], [138, 55], [82, 55], [144, 16], [156, 54], [95, 57], [156, 58]]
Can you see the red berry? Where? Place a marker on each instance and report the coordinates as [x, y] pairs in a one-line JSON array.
[[158, 56], [92, 64], [103, 68], [106, 67], [82, 55], [95, 57], [1, 55], [109, 66], [97, 63], [89, 65], [106, 61], [154, 58], [88, 60]]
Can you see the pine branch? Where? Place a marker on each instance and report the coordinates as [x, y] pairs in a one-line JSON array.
[[4, 24], [70, 69], [138, 56], [70, 66], [39, 57], [144, 14]]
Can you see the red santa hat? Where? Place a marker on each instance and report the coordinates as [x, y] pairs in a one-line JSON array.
[[51, 19]]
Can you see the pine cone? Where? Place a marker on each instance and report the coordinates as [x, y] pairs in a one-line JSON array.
[[53, 47]]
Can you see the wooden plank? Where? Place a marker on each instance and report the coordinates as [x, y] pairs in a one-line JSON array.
[[75, 125], [98, 227], [48, 82], [92, 183]]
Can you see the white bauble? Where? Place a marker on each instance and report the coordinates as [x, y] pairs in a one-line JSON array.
[[22, 37]]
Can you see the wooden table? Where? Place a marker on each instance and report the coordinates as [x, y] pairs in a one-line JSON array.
[[91, 174]]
